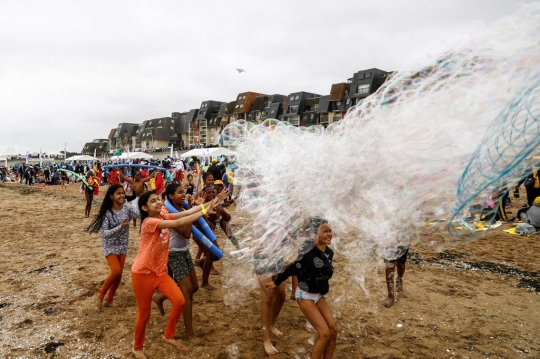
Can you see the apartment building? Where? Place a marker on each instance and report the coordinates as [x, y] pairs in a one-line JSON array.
[[101, 147], [159, 133], [244, 102], [296, 106], [203, 126]]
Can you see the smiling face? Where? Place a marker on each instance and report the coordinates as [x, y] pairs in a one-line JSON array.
[[118, 197], [325, 234], [153, 206], [209, 181], [178, 197]]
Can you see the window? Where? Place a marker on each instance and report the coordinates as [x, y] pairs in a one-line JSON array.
[[272, 111], [362, 89], [348, 101], [237, 106], [304, 117], [293, 109], [241, 105], [172, 128], [360, 76], [297, 97], [368, 75], [292, 98], [312, 116]]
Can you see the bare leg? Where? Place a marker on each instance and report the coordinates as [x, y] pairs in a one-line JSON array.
[[389, 272], [327, 315], [158, 298], [186, 286], [399, 279], [268, 311], [277, 304], [320, 317], [207, 267]]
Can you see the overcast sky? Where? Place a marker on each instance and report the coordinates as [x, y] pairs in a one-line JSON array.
[[70, 71]]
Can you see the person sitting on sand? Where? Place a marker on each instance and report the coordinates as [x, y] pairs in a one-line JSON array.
[[149, 270], [180, 264], [531, 215], [314, 270], [113, 221]]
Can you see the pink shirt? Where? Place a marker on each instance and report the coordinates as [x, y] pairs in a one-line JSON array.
[[153, 247]]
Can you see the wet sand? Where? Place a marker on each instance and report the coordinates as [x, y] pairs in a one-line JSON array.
[[477, 300]]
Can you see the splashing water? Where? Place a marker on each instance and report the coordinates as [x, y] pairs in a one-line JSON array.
[[415, 159]]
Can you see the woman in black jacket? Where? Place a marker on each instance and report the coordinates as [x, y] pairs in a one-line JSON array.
[[314, 270]]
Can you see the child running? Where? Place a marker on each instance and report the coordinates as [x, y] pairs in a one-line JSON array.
[[314, 270], [149, 270], [180, 264], [113, 221]]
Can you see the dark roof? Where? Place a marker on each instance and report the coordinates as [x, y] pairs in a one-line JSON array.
[[230, 107], [324, 104], [258, 104]]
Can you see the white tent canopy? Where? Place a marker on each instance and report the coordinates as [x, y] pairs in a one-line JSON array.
[[81, 158], [10, 152], [133, 155], [208, 152]]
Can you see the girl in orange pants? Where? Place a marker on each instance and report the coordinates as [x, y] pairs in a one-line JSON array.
[[149, 270], [144, 286], [113, 222]]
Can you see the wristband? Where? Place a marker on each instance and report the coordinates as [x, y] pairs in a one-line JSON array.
[[203, 210]]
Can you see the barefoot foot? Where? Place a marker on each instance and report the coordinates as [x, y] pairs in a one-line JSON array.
[[389, 301], [214, 272], [175, 343], [207, 286], [195, 340], [99, 303], [270, 349], [278, 333], [158, 299], [111, 304], [292, 297], [139, 354]]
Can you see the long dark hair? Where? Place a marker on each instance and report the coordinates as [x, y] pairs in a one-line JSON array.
[[106, 205], [143, 201]]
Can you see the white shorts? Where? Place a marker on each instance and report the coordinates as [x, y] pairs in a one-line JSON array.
[[300, 294]]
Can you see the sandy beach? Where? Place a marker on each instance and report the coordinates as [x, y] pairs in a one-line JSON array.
[[478, 300]]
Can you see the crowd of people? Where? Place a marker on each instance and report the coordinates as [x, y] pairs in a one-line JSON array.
[[164, 268]]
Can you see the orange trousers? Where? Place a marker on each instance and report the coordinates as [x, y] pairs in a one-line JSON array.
[[144, 286], [116, 263]]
